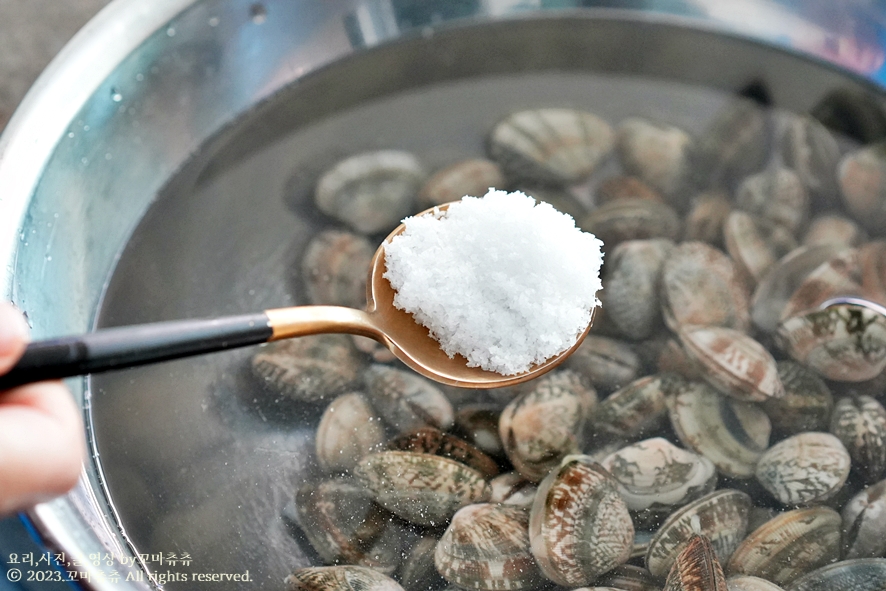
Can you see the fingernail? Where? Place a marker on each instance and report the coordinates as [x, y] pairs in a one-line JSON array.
[[13, 330]]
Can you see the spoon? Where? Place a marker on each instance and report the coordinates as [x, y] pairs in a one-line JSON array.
[[130, 346]]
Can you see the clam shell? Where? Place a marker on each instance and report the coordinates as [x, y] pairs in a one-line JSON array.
[[748, 583], [776, 195], [862, 177], [634, 410], [547, 423], [721, 516], [657, 153], [731, 434], [371, 192], [860, 423], [627, 577], [478, 424], [789, 545], [579, 526], [348, 430], [696, 568], [418, 571], [809, 148], [755, 244], [560, 146], [624, 187], [654, 474], [606, 363], [511, 488], [864, 574], [831, 228], [807, 402], [806, 468], [472, 177], [841, 275], [486, 546], [872, 260], [309, 369], [428, 440], [700, 286], [421, 488], [407, 401], [334, 268], [339, 578], [844, 343], [706, 217], [864, 521], [632, 219], [735, 143], [732, 362]]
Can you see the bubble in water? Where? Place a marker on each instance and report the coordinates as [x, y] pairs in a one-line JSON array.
[[108, 156], [70, 134], [86, 128], [170, 32], [116, 96], [213, 21], [139, 77], [84, 161], [49, 257], [258, 13]]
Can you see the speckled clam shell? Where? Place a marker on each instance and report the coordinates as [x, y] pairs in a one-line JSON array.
[[371, 192], [865, 574], [776, 195], [405, 400], [735, 143], [804, 469], [696, 568], [418, 571], [421, 488], [700, 285], [627, 577], [624, 187], [309, 369], [732, 362], [844, 343], [428, 440], [579, 526], [811, 150], [632, 219], [334, 269], [606, 363], [721, 516], [634, 410], [348, 430], [560, 146], [339, 578], [658, 153], [633, 282], [707, 214], [807, 403], [789, 545], [864, 521], [749, 583], [731, 434], [860, 423], [755, 244], [654, 473], [839, 276], [486, 546], [830, 228], [512, 488], [547, 423], [862, 178], [472, 177]]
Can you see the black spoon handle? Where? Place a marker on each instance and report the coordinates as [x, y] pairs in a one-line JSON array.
[[129, 346]]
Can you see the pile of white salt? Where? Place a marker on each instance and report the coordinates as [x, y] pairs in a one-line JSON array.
[[502, 280]]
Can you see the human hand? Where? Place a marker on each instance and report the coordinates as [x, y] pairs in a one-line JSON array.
[[42, 444]]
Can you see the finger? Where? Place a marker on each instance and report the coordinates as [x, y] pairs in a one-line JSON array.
[[13, 336], [42, 442]]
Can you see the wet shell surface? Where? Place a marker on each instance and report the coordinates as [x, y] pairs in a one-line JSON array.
[[309, 368], [624, 187], [511, 488], [339, 578], [472, 177], [696, 568], [748, 583], [418, 571], [775, 195], [809, 148], [806, 468], [634, 410], [348, 430], [406, 400], [655, 473], [486, 546], [632, 219], [579, 526], [335, 267], [833, 229], [708, 213], [478, 423], [864, 521], [433, 441], [721, 516], [547, 423], [845, 343], [560, 146], [865, 574], [606, 363], [627, 577], [658, 153], [700, 286], [807, 402], [421, 488], [732, 362], [735, 143], [860, 423], [862, 177], [755, 244], [838, 276], [789, 545], [371, 192]]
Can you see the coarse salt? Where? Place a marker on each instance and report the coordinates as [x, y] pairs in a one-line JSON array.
[[502, 280]]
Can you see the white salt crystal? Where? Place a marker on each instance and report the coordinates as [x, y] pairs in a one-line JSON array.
[[503, 281]]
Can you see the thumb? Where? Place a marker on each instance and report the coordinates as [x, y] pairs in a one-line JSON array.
[[13, 336]]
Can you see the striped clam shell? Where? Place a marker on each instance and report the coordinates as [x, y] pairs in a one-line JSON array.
[[579, 526], [863, 574], [860, 423], [864, 521], [754, 244], [334, 268], [789, 545], [807, 403], [339, 578], [721, 516], [486, 546], [776, 195], [696, 568], [629, 578], [348, 430], [804, 469], [633, 410], [406, 400], [472, 177], [632, 219], [660, 154], [433, 441]]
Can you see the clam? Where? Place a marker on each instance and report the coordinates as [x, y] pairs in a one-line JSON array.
[[863, 574], [560, 146], [634, 410], [731, 434], [334, 268], [864, 521], [339, 578], [673, 359], [872, 260], [421, 488], [632, 280], [735, 143], [700, 285], [829, 228], [804, 469], [839, 276], [579, 526], [696, 568], [606, 363], [478, 424], [348, 430], [706, 217], [472, 177], [844, 342], [371, 192], [733, 362], [755, 244], [428, 440], [789, 545], [748, 583], [547, 423], [807, 402], [486, 546], [631, 219], [860, 423], [657, 153], [776, 195], [809, 148], [309, 369], [626, 577], [511, 488], [418, 571], [624, 187], [721, 516], [862, 177], [407, 401]]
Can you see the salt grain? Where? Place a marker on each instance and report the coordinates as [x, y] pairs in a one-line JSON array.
[[502, 280]]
